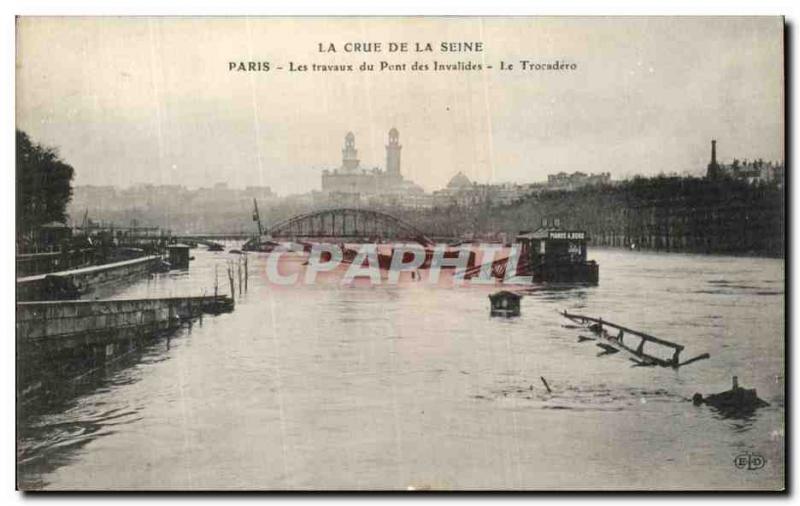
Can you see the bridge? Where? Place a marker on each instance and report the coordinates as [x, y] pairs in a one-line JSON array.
[[348, 223], [339, 223], [203, 238]]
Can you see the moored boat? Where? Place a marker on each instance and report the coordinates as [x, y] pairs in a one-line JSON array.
[[551, 254], [260, 244]]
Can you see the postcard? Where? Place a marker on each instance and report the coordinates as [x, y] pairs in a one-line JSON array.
[[400, 254]]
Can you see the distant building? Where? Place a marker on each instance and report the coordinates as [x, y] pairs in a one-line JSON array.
[[508, 193], [460, 191], [259, 192], [350, 179], [564, 181], [170, 206], [756, 171], [459, 182]]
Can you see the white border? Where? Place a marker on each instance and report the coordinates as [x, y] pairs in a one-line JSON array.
[[321, 7]]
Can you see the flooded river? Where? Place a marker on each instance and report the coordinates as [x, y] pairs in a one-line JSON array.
[[412, 385]]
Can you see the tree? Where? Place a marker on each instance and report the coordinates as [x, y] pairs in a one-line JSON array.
[[44, 185]]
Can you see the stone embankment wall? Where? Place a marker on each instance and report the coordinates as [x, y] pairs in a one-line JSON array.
[[59, 285], [59, 324]]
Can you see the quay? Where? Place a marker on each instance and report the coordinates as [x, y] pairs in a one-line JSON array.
[[58, 340], [71, 284], [29, 264], [67, 324]]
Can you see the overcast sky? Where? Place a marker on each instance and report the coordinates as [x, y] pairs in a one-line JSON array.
[[130, 100]]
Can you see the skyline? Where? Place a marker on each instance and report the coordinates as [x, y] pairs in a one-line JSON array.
[[150, 100], [696, 172]]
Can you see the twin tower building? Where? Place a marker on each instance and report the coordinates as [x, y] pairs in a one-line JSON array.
[[350, 178]]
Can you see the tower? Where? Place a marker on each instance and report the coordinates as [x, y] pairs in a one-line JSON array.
[[713, 167], [393, 155], [349, 153]]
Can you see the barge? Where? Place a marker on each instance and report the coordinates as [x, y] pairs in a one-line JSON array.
[[551, 254]]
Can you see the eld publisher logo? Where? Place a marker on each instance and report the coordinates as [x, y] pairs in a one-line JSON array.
[[749, 461]]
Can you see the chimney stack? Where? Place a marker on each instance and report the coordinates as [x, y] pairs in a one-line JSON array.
[[713, 171], [713, 152]]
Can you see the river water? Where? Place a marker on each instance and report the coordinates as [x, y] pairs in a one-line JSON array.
[[415, 386]]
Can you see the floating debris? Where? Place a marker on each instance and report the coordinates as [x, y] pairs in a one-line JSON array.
[[733, 403], [616, 343]]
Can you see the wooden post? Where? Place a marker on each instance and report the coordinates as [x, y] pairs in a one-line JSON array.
[[546, 385], [216, 282], [239, 272], [230, 279], [245, 272]]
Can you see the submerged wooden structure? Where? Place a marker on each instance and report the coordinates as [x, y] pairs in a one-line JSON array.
[[737, 401], [615, 343]]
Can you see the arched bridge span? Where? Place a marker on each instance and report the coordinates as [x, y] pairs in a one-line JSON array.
[[349, 223]]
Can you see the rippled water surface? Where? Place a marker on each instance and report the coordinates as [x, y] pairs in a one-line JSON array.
[[391, 387]]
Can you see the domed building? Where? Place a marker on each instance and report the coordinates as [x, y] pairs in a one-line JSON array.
[[459, 182], [460, 191]]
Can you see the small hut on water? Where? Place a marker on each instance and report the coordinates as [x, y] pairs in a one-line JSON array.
[[505, 303], [179, 256]]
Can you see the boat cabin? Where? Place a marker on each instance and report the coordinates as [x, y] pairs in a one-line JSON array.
[[179, 256], [53, 235], [553, 254], [505, 303]]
